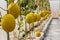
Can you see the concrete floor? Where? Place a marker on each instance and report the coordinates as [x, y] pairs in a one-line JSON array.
[[54, 30]]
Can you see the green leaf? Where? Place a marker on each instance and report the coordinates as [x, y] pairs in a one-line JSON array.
[[9, 1], [18, 1], [6, 0], [21, 23]]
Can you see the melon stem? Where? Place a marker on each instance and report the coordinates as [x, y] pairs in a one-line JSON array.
[[7, 35]]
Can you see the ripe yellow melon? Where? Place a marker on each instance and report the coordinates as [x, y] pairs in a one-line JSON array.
[[59, 14], [42, 13], [29, 18], [38, 33], [35, 17], [38, 17], [14, 9], [8, 23]]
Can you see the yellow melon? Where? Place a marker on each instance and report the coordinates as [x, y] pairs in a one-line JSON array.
[[8, 23], [38, 33], [14, 9]]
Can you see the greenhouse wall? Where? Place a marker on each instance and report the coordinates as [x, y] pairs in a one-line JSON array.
[[54, 5], [3, 4]]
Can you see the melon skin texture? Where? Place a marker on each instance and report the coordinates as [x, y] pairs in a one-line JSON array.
[[38, 17], [8, 23], [29, 18], [14, 9]]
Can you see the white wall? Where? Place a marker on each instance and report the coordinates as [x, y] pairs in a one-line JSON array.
[[54, 4], [3, 5], [3, 35]]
